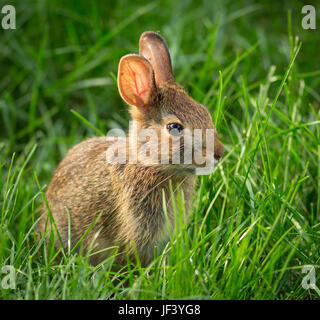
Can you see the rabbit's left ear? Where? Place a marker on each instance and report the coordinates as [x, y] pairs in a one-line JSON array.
[[155, 49], [136, 82]]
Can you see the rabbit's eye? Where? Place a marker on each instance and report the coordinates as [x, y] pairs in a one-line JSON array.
[[175, 129]]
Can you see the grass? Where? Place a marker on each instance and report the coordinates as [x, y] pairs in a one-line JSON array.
[[255, 222]]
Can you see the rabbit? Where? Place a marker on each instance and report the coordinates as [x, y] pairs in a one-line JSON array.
[[128, 197]]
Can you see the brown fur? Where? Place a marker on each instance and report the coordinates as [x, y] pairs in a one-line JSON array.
[[129, 196]]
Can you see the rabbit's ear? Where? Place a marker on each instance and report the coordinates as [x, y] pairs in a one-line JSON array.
[[136, 82], [155, 49]]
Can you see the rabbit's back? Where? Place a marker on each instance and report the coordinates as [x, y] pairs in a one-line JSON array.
[[81, 189], [128, 198]]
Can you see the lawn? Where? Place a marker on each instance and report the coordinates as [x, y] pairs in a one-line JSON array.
[[255, 222]]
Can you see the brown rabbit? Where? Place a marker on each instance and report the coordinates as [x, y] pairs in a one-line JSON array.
[[129, 196]]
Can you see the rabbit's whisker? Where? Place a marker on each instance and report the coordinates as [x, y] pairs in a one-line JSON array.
[[154, 187]]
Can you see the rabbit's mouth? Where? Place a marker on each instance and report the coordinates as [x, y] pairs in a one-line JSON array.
[[182, 169], [192, 169]]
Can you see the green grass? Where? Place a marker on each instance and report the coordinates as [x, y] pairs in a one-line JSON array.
[[255, 222]]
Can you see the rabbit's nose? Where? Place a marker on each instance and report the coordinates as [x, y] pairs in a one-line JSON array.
[[218, 150]]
